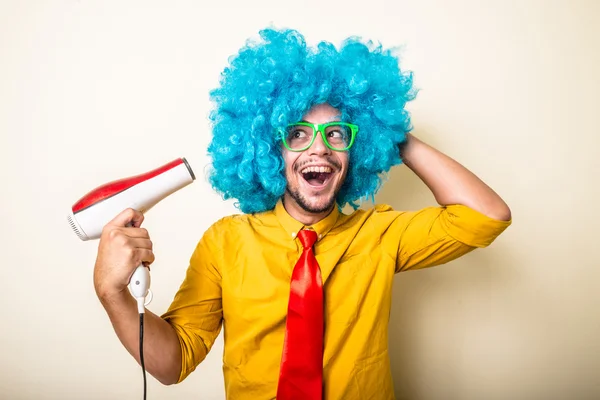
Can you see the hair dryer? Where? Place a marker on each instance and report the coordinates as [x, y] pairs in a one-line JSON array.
[[141, 192]]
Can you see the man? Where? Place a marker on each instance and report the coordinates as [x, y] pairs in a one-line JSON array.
[[299, 133]]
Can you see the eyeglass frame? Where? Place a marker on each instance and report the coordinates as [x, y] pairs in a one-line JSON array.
[[320, 128]]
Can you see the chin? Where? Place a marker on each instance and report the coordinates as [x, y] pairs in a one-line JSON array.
[[320, 206], [310, 203]]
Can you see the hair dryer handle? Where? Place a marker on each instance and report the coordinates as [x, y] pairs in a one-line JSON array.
[[139, 285]]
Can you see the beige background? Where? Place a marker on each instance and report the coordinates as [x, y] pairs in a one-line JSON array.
[[92, 91]]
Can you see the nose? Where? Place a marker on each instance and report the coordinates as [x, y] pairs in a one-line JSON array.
[[319, 147]]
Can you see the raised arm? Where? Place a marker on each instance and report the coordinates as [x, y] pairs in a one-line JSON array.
[[450, 182], [177, 341], [120, 251]]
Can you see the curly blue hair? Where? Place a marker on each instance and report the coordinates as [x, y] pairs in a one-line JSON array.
[[275, 81]]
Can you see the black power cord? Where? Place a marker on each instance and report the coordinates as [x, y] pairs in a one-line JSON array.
[[142, 351]]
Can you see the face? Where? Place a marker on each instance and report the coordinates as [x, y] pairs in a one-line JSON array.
[[315, 175]]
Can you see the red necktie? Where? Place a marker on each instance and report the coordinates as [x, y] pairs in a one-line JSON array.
[[301, 374]]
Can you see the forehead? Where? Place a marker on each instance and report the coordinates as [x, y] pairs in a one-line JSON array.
[[322, 113]]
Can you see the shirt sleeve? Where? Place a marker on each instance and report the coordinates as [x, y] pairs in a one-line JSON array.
[[196, 312], [437, 235]]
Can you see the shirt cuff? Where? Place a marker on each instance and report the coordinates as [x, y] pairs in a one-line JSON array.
[[472, 227]]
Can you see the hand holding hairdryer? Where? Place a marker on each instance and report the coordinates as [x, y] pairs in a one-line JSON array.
[[107, 204], [125, 254]]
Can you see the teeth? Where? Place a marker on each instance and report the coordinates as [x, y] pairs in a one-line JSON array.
[[316, 169]]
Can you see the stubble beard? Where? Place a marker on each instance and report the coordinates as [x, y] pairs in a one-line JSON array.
[[304, 204]]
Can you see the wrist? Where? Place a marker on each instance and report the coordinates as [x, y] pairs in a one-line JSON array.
[[112, 298]]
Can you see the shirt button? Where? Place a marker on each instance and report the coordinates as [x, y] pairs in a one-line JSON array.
[[293, 234], [320, 236]]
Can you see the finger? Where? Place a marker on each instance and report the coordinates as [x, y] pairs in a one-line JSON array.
[[129, 216], [141, 233], [140, 243], [144, 256]]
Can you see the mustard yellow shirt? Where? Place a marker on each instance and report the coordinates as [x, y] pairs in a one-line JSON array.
[[239, 277]]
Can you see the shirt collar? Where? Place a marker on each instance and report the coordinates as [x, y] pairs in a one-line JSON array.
[[292, 226]]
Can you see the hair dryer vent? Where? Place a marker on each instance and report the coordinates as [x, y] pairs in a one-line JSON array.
[[76, 229]]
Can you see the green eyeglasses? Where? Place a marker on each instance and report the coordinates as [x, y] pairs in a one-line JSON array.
[[338, 136]]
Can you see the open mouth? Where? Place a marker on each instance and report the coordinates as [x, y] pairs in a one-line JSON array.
[[316, 176]]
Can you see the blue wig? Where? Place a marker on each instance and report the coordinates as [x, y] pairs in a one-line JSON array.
[[275, 81]]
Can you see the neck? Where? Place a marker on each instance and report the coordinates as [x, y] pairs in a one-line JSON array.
[[301, 215]]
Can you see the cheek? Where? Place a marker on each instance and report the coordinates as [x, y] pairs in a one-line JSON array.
[[289, 160], [344, 162]]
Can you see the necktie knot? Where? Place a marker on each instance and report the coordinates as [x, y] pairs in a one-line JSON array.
[[307, 238]]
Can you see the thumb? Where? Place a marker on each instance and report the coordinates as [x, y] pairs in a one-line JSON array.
[[128, 217]]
